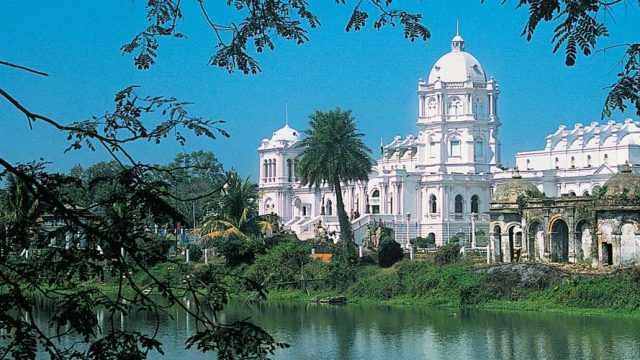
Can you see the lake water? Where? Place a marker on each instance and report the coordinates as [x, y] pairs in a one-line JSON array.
[[392, 332]]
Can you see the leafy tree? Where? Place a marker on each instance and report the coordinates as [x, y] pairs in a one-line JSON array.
[[194, 177], [447, 254], [117, 242], [334, 153], [282, 265], [578, 27], [19, 211], [389, 252]]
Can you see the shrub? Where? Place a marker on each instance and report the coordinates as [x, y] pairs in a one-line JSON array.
[[343, 270], [389, 252], [195, 253], [154, 250], [235, 251], [422, 242], [454, 240], [447, 254], [381, 286], [281, 265]]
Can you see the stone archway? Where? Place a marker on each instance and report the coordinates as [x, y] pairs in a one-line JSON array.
[[535, 237], [583, 240], [559, 241], [497, 243]]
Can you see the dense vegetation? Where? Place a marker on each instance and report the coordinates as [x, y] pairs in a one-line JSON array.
[[288, 273]]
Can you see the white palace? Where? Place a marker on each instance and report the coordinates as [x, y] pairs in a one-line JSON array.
[[442, 180]]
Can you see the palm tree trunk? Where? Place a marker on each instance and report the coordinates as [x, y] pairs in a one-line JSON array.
[[343, 219]]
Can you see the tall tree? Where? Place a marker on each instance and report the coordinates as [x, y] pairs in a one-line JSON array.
[[194, 178], [334, 153]]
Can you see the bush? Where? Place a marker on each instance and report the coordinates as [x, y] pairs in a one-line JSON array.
[[389, 252], [195, 253], [454, 240], [380, 286], [343, 270], [281, 265], [447, 254], [154, 250], [420, 242], [235, 251]]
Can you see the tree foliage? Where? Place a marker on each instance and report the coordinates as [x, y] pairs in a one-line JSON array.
[[579, 24], [334, 154], [118, 244], [389, 252], [255, 27]]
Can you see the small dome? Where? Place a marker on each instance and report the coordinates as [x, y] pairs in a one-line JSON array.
[[624, 182], [508, 192], [286, 134], [457, 66]]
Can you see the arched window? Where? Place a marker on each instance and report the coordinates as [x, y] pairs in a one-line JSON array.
[[573, 162], [474, 204], [458, 205], [585, 193], [433, 107], [290, 169], [329, 208], [422, 105], [375, 193], [433, 148], [528, 164], [454, 106], [265, 169], [572, 194], [606, 159], [588, 160], [478, 107], [478, 150], [454, 147], [433, 204], [557, 163], [275, 169]]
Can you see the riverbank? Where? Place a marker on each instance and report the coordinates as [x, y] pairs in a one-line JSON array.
[[518, 287], [513, 287]]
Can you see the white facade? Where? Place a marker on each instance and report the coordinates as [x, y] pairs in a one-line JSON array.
[[441, 181]]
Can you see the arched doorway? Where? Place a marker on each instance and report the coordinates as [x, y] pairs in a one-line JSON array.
[[497, 243], [375, 202], [536, 241], [583, 240], [297, 205], [559, 241], [329, 208]]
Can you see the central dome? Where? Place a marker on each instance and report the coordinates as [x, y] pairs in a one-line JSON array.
[[286, 134], [457, 66]]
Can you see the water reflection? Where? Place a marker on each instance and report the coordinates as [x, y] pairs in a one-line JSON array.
[[384, 332]]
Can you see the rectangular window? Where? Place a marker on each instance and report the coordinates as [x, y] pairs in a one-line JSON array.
[[455, 148], [432, 149]]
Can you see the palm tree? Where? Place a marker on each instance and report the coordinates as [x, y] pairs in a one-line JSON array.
[[235, 212], [334, 153], [19, 209]]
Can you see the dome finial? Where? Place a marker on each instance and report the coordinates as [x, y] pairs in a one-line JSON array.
[[286, 114], [457, 44]]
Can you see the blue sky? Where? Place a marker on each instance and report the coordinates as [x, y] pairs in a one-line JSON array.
[[374, 73]]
